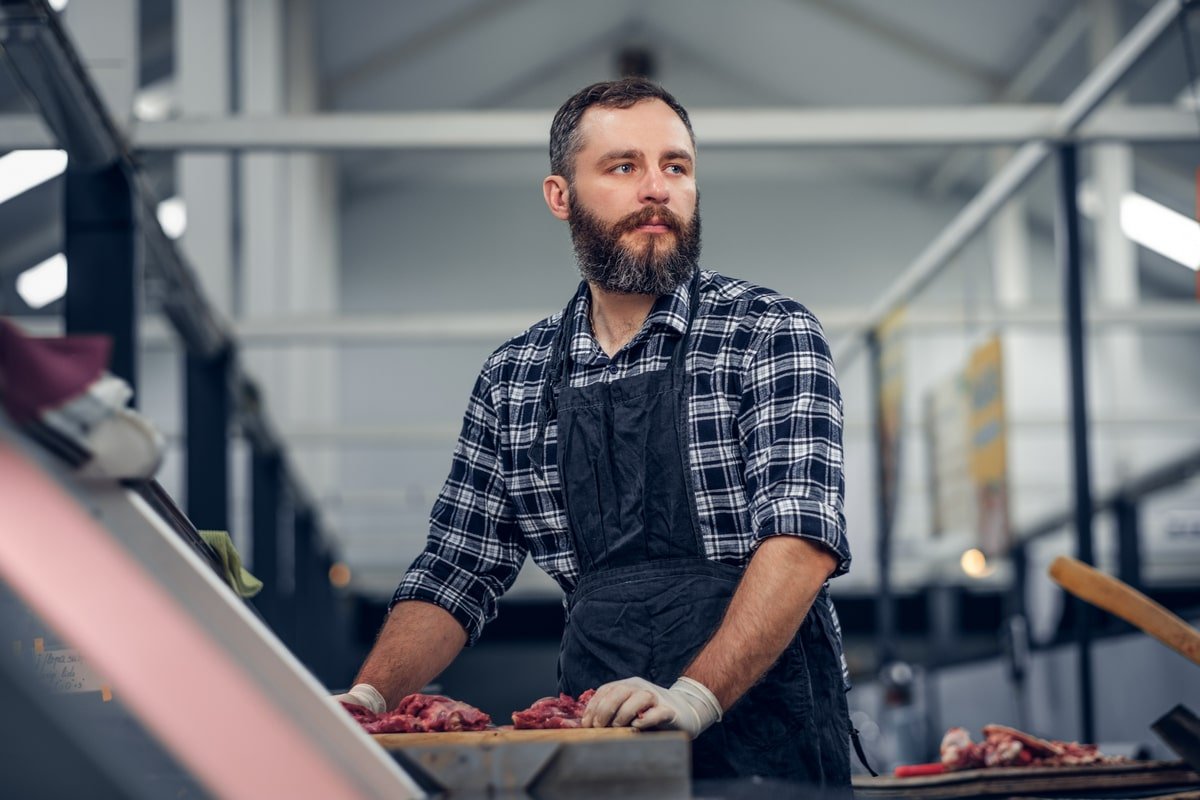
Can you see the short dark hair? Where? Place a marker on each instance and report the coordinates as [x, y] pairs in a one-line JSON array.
[[565, 140]]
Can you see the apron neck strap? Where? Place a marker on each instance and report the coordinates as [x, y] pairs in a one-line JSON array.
[[559, 364]]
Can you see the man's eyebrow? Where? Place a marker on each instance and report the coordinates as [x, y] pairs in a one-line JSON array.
[[634, 154], [621, 155]]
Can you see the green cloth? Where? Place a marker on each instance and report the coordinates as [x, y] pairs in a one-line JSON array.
[[237, 576]]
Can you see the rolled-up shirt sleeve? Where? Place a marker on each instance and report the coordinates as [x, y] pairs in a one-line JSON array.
[[790, 424], [475, 549]]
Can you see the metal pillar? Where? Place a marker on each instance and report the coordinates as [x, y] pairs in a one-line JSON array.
[[103, 261], [1016, 631], [1129, 557], [1071, 255], [204, 180], [327, 643], [265, 488], [207, 410], [885, 610], [305, 608]]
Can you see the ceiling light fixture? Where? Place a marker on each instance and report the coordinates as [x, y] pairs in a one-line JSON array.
[[21, 170], [1150, 224], [172, 215], [155, 102], [41, 285], [1161, 229]]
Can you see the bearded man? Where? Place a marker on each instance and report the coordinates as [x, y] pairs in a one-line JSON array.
[[668, 448]]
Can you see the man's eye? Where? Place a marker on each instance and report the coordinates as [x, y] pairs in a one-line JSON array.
[[624, 169], [676, 169]]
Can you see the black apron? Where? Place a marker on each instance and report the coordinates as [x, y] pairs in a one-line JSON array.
[[648, 599]]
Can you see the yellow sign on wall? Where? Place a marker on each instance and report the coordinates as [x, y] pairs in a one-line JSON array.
[[891, 404], [988, 443]]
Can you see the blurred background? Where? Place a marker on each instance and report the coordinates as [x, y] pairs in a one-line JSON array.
[[340, 217]]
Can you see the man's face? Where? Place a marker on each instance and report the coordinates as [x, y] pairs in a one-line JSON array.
[[634, 207]]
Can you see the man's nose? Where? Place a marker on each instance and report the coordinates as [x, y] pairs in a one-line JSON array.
[[654, 187]]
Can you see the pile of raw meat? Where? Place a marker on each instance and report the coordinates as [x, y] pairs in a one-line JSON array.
[[563, 711], [434, 713], [1008, 747], [422, 713]]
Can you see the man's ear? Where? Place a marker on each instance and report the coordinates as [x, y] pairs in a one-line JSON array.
[[558, 198]]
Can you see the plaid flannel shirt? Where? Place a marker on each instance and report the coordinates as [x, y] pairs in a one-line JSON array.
[[765, 423]]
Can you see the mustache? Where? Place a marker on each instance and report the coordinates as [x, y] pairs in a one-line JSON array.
[[645, 216]]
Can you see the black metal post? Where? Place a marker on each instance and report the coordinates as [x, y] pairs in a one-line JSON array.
[[1071, 253], [1016, 630], [885, 610], [1129, 556], [103, 262], [265, 486], [327, 646], [208, 410], [304, 606]]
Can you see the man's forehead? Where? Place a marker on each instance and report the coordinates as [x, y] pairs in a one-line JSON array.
[[606, 126]]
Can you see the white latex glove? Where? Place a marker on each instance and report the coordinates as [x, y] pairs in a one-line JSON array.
[[687, 706], [365, 695]]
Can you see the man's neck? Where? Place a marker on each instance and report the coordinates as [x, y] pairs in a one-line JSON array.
[[617, 317]]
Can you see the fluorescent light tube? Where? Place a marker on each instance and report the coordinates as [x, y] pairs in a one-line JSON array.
[[1161, 229], [44, 283], [21, 170]]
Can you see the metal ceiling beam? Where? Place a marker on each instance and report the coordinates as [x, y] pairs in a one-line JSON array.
[[980, 125], [1005, 183], [37, 48], [1020, 88], [912, 45], [438, 329], [488, 328], [396, 55]]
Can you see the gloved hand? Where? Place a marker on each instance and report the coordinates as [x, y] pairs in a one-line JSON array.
[[365, 695], [687, 706]]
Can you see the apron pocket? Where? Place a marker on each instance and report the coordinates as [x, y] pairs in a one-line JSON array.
[[776, 708]]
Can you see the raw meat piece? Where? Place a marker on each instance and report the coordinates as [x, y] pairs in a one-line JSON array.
[[394, 722], [959, 752], [360, 713], [1003, 746], [563, 711], [422, 713], [439, 713]]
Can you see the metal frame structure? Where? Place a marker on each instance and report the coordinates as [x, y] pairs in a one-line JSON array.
[[1069, 118], [718, 128], [1071, 256]]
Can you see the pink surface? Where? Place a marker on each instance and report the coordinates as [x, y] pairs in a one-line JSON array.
[[201, 705]]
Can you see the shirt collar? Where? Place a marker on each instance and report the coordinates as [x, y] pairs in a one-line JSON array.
[[669, 311]]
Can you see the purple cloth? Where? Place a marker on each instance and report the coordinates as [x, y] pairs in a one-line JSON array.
[[38, 374]]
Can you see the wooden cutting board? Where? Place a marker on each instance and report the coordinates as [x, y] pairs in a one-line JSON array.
[[503, 736], [573, 762], [1025, 781]]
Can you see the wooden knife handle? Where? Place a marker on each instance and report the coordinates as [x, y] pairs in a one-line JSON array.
[[1116, 596]]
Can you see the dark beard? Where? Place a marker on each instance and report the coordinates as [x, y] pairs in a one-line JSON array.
[[655, 270]]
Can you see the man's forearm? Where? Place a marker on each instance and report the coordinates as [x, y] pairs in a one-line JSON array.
[[776, 591], [417, 642]]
